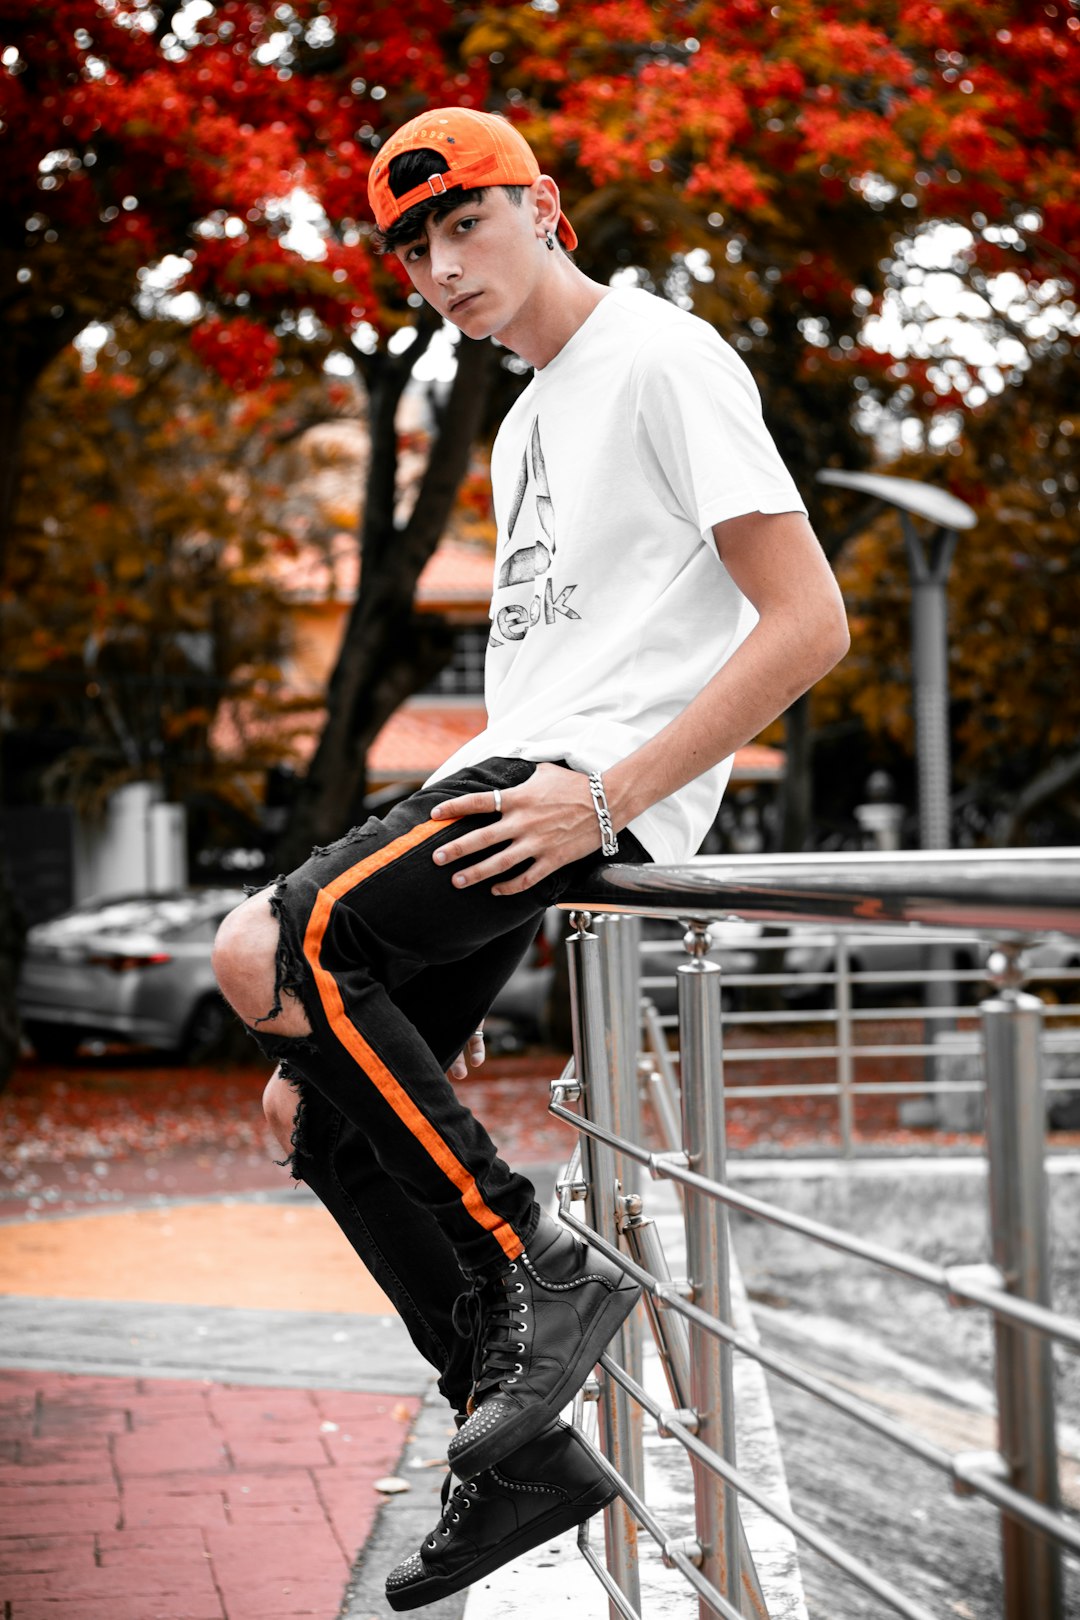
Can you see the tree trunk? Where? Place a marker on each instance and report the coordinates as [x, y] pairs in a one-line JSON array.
[[12, 937], [15, 392], [387, 652]]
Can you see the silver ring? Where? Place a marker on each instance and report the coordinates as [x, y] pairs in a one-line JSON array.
[[478, 1034], [498, 800]]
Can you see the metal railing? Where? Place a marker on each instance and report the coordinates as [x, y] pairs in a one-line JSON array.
[[1007, 896], [901, 1042]]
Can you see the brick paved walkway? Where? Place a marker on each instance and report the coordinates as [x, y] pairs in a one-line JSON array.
[[202, 1384], [143, 1498]]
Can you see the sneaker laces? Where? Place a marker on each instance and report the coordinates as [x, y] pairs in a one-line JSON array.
[[454, 1504], [489, 1314]]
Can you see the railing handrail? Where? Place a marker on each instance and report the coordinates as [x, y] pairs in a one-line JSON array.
[[995, 892]]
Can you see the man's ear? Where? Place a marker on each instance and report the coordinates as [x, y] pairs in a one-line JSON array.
[[546, 203]]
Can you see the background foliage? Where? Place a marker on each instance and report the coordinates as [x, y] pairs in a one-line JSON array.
[[781, 168]]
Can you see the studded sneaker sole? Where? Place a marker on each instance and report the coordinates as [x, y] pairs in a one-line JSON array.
[[551, 1486]]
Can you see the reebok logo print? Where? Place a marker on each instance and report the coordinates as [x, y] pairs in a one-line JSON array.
[[526, 564]]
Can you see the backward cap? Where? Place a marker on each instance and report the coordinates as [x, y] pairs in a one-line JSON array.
[[480, 149]]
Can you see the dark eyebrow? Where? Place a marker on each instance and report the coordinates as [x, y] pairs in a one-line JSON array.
[[455, 208]]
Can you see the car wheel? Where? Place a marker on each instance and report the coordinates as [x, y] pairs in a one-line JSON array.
[[53, 1043], [210, 1031]]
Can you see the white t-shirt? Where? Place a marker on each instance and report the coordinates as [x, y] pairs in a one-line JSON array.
[[611, 607]]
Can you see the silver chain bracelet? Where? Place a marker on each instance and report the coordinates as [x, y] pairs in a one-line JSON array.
[[609, 844]]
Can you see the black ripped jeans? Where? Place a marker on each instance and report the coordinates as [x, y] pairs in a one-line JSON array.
[[395, 968]]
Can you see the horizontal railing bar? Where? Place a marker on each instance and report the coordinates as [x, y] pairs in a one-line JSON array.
[[802, 933], [972, 1040], [783, 1015], [748, 1054], [858, 976], [614, 1592], [649, 1522], [597, 1132], [1066, 1330], [914, 974], [862, 1088], [1011, 893], [1053, 1525], [818, 1539], [1001, 1494], [850, 1405], [879, 1088]]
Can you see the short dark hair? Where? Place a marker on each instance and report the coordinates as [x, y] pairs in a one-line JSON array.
[[411, 169]]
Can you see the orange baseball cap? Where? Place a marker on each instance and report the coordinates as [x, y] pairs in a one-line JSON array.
[[481, 149]]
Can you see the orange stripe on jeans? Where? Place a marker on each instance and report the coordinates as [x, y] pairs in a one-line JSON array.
[[373, 1066]]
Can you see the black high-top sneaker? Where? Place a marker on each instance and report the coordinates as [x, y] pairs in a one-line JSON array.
[[538, 1330], [545, 1487]]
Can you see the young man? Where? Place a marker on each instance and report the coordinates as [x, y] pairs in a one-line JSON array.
[[659, 597]]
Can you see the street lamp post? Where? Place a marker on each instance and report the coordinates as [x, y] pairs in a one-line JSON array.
[[929, 561]]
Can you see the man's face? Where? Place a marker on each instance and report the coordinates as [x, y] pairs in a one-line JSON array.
[[478, 264]]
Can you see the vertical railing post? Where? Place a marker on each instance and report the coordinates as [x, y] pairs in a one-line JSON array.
[[844, 1056], [1015, 1132], [664, 1087], [620, 968], [620, 1111], [594, 1044], [701, 1048]]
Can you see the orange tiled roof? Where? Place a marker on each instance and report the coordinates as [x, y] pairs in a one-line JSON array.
[[415, 741], [456, 576]]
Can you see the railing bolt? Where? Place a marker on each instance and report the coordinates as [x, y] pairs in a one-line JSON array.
[[565, 1091], [629, 1209], [577, 1190], [681, 1159], [1006, 965], [977, 1462], [677, 1288], [698, 937], [684, 1416], [981, 1275], [590, 1389], [688, 1546]]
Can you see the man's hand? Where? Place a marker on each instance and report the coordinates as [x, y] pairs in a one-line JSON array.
[[549, 820], [472, 1056]]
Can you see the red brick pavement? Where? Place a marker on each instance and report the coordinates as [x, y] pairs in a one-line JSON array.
[[163, 1499]]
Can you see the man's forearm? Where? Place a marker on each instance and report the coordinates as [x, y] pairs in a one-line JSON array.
[[776, 663]]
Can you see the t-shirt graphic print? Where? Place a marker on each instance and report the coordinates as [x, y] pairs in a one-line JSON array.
[[525, 564]]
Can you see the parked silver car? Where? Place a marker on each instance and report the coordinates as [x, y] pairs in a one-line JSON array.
[[127, 968]]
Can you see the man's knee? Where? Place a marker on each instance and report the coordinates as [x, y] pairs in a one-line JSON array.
[[245, 965], [280, 1105]]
